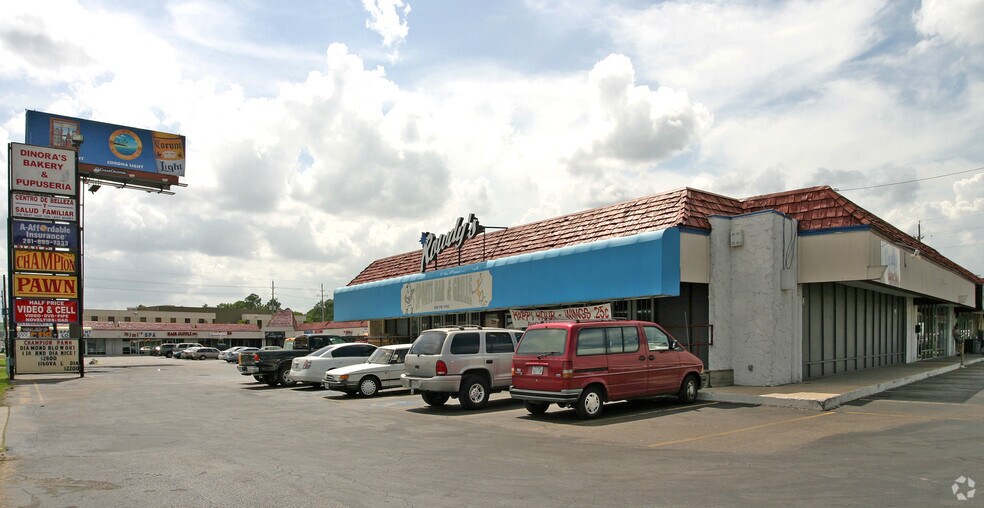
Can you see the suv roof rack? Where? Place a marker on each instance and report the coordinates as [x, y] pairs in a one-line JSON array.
[[462, 327]]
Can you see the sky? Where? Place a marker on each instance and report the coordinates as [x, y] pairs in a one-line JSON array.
[[324, 135]]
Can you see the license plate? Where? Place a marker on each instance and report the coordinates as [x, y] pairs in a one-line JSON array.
[[414, 384], [536, 370]]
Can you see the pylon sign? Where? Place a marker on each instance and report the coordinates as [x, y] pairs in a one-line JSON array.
[[44, 253]]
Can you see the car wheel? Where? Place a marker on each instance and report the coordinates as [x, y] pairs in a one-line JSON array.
[[201, 357], [590, 403], [284, 376], [688, 390], [536, 408], [434, 399], [169, 355], [474, 393], [271, 380], [369, 386]]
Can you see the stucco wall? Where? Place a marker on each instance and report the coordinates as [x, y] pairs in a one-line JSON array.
[[757, 323]]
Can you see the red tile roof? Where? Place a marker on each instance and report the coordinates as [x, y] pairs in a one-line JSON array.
[[683, 207], [283, 318], [815, 208]]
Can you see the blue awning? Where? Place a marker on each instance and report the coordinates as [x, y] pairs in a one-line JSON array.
[[647, 264]]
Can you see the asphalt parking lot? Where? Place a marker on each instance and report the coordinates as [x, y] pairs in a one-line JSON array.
[[160, 432]]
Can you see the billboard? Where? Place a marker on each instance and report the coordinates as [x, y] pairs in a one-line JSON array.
[[31, 234], [113, 152], [42, 169]]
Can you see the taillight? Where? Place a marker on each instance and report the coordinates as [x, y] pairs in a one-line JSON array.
[[307, 364], [566, 370], [256, 358], [442, 368]]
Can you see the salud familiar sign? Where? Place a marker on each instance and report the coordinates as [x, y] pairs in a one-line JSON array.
[[34, 206], [42, 169]]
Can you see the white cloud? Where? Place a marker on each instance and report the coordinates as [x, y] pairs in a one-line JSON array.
[[961, 21], [388, 18]]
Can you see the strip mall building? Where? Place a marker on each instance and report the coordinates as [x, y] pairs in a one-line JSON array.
[[767, 290]]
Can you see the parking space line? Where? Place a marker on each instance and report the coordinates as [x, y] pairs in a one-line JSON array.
[[735, 431], [637, 414], [897, 415], [37, 388]]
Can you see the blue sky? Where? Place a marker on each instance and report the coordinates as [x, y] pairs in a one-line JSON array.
[[324, 135]]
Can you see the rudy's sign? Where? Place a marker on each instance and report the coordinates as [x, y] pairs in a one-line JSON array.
[[434, 245], [42, 169]]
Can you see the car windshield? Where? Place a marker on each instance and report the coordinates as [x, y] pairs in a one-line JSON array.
[[543, 341], [428, 343], [382, 356]]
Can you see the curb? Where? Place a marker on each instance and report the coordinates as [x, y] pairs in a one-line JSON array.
[[831, 402]]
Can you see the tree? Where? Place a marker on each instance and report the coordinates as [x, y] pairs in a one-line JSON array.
[[273, 305], [252, 301], [315, 315]]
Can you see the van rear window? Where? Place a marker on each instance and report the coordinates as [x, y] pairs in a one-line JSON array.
[[543, 341], [428, 343]]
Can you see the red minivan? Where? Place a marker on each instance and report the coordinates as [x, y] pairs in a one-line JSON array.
[[585, 364]]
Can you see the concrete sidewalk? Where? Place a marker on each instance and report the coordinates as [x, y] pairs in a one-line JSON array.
[[832, 391]]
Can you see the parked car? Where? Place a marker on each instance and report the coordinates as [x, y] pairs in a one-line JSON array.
[[311, 369], [272, 366], [167, 350], [464, 362], [226, 354], [585, 364], [179, 349], [381, 371], [201, 353], [147, 350]]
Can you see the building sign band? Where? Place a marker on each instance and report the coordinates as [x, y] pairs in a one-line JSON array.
[[469, 291]]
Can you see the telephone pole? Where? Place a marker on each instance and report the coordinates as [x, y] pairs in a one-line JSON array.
[[322, 303]]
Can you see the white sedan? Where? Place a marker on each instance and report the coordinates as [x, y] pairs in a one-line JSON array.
[[311, 369], [381, 371]]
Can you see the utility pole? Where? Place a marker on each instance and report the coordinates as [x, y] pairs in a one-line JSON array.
[[919, 235], [322, 303], [273, 294]]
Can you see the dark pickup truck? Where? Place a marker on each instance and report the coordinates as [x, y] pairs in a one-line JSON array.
[[273, 367]]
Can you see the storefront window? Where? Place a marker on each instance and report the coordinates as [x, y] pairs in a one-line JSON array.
[[95, 346], [931, 331], [620, 309]]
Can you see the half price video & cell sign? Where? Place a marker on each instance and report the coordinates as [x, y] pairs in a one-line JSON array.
[[46, 311]]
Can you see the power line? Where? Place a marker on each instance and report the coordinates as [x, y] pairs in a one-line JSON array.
[[911, 181]]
